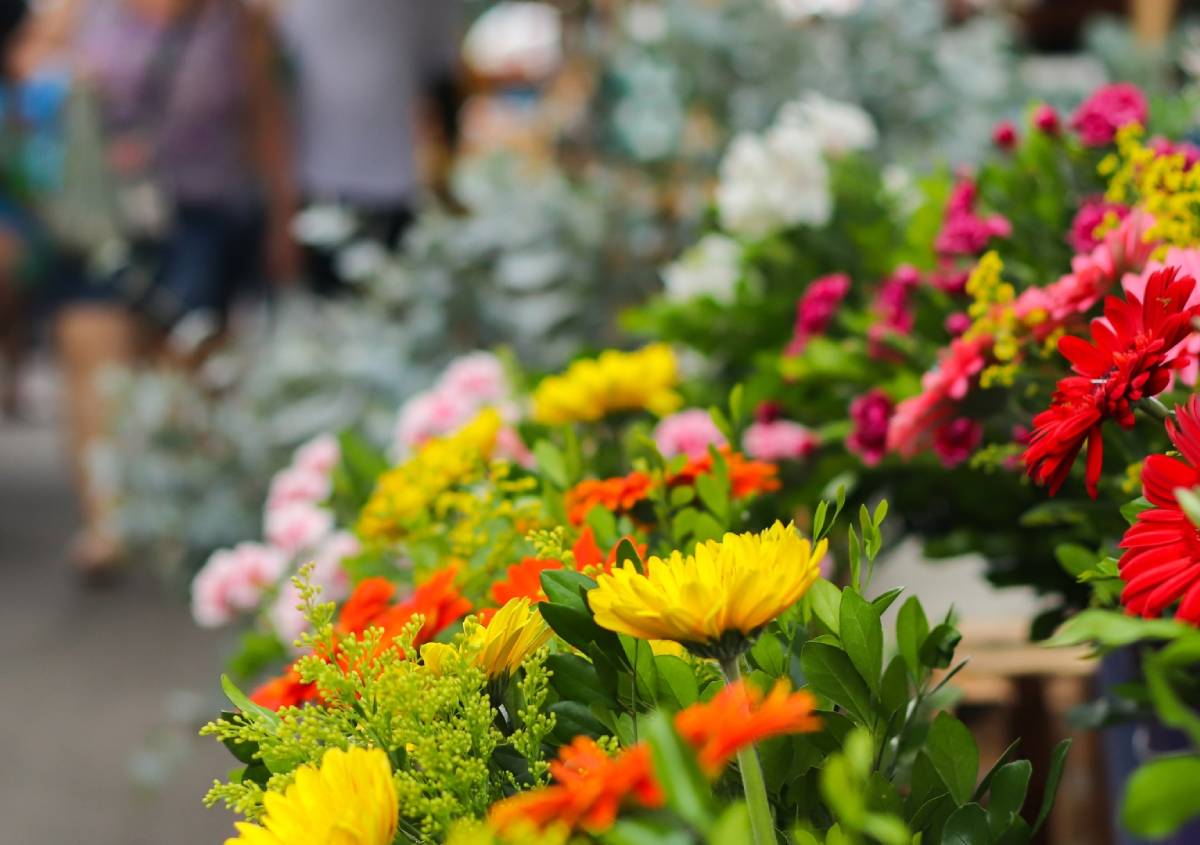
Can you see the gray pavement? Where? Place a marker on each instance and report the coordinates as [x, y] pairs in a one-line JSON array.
[[101, 692]]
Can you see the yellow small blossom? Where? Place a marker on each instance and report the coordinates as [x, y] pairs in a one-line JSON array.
[[405, 493], [1161, 184], [515, 632], [1132, 482], [348, 799], [992, 307], [592, 388], [715, 600]]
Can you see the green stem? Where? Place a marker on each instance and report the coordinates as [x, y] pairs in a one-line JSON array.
[[1155, 409], [755, 787]]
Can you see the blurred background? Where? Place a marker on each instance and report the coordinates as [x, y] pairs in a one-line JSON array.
[[229, 225]]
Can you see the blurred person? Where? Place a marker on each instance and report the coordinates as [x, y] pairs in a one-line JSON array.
[[14, 226], [365, 73], [185, 94]]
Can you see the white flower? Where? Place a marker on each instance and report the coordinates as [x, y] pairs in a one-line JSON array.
[[710, 268], [801, 10], [840, 127], [773, 181]]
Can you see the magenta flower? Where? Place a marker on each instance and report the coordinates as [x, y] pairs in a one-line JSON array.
[[1045, 118], [870, 415], [956, 440], [1090, 215], [816, 307], [1004, 135], [963, 231], [1108, 109]]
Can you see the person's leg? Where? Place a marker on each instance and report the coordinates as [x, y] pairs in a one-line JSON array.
[[91, 336]]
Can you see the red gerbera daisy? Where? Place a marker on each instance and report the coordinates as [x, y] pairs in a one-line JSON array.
[[1161, 563], [1133, 350]]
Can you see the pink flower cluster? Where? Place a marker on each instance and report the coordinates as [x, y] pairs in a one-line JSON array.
[[963, 231], [775, 439], [1112, 106], [295, 524], [893, 309], [870, 416], [816, 307], [468, 385], [233, 581], [1092, 212], [918, 418], [689, 433], [1045, 118], [1092, 276]]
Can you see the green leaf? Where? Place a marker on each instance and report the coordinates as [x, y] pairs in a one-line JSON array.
[[954, 755], [1075, 559], [938, 649], [1007, 795], [677, 677], [733, 827], [572, 719], [737, 405], [1112, 629], [855, 557], [819, 519], [883, 602], [1058, 759], [893, 689], [862, 635], [551, 463], [707, 528], [627, 552], [575, 678], [911, 630], [768, 654], [242, 702], [1162, 796], [686, 789], [568, 588], [966, 826], [831, 674], [986, 782], [714, 495], [576, 627], [825, 601], [1130, 510], [681, 496]]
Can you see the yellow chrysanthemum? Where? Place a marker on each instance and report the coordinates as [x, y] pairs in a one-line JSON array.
[[715, 600], [515, 632], [405, 493], [348, 800], [590, 389], [1165, 185]]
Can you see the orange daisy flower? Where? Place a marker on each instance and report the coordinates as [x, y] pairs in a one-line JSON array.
[[739, 716], [618, 495], [285, 691], [438, 600], [524, 580], [589, 558], [745, 476], [590, 789], [372, 597]]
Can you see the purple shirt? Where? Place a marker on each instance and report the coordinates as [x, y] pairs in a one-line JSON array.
[[200, 134]]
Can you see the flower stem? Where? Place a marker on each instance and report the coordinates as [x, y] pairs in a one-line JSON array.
[[1155, 409], [755, 787]]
